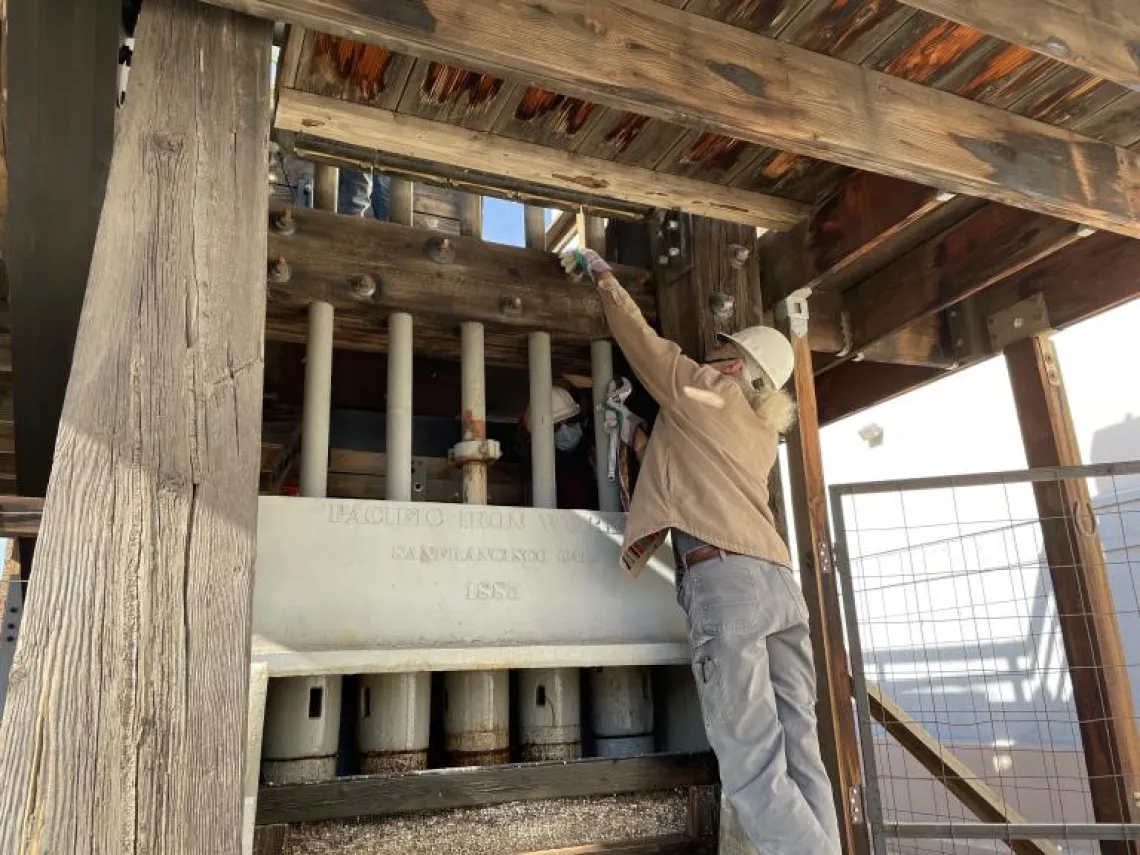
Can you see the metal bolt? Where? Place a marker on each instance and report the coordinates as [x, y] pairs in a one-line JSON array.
[[511, 305], [1057, 46], [663, 260], [738, 255], [672, 225], [440, 250], [284, 224], [722, 305], [279, 271], [364, 286], [674, 251]]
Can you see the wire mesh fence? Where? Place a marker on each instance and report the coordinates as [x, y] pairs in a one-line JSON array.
[[994, 630]]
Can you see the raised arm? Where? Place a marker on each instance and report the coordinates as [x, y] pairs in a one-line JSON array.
[[658, 362]]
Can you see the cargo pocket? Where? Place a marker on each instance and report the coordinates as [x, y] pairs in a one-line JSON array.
[[712, 689], [725, 601]]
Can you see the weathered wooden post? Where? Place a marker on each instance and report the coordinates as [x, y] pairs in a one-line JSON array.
[[125, 724]]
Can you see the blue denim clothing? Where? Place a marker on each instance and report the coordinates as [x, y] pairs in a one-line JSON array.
[[359, 194]]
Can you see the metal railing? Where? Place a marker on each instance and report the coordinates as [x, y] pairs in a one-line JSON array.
[[995, 656]]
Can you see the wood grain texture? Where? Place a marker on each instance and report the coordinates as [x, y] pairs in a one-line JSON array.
[[837, 738], [965, 784], [1101, 36], [868, 222], [855, 386], [1085, 609], [410, 136], [983, 249], [646, 57], [124, 729], [369, 334], [329, 253], [443, 789], [60, 130], [20, 516]]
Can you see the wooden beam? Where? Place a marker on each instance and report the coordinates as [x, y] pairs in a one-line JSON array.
[[505, 287], [124, 727], [1085, 609], [985, 248], [837, 737], [856, 386], [20, 516], [446, 789], [440, 142], [61, 78], [868, 222], [649, 58], [365, 333], [674, 844], [1098, 36], [1088, 277], [561, 230], [978, 796]]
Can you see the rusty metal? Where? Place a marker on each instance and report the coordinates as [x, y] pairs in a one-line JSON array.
[[393, 762], [279, 271], [440, 250], [364, 287], [284, 223], [721, 305]]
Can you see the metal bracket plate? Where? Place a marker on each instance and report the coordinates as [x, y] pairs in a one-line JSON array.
[[1020, 321], [794, 309]]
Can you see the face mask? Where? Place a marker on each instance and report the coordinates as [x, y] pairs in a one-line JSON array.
[[567, 436]]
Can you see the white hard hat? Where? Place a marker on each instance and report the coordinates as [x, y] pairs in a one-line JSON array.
[[563, 406], [767, 352]]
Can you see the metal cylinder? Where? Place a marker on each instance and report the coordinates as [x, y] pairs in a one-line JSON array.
[[302, 727], [543, 486], [398, 476], [474, 409], [317, 402], [602, 369], [326, 180], [302, 714], [622, 715], [476, 717], [476, 703], [550, 718], [400, 198], [393, 722]]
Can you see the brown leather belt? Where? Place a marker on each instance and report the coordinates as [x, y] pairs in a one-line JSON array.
[[702, 554]]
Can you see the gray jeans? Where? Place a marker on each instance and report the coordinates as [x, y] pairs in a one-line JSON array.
[[752, 661]]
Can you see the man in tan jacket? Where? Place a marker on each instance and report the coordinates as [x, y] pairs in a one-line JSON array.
[[704, 481]]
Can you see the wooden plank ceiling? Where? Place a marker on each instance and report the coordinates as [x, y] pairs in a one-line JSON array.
[[882, 35]]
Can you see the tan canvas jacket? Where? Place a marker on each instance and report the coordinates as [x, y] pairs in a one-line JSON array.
[[706, 469]]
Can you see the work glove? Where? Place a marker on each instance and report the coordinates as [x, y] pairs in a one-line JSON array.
[[585, 262]]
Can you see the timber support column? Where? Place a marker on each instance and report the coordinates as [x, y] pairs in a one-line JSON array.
[[124, 729], [837, 733], [1085, 608]]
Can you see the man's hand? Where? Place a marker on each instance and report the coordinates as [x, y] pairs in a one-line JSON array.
[[585, 262]]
